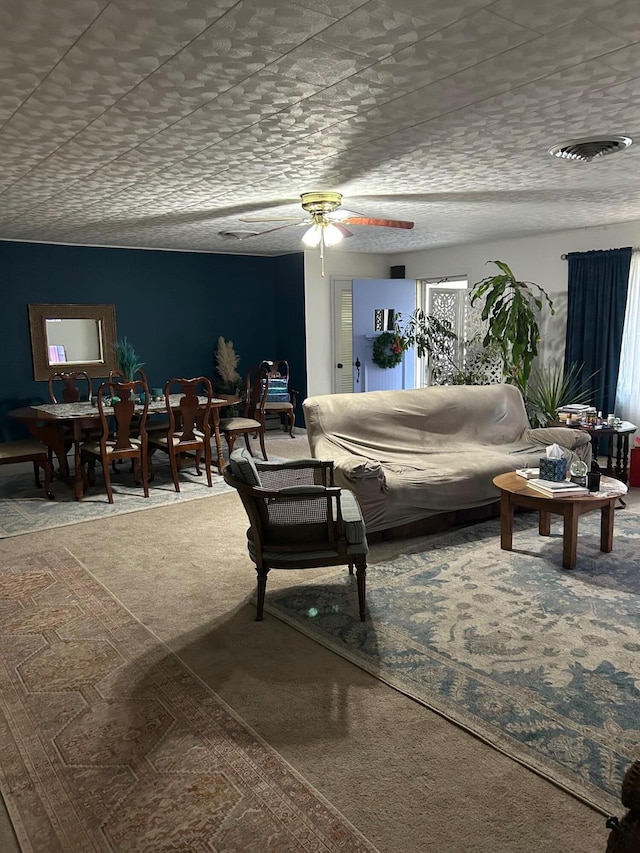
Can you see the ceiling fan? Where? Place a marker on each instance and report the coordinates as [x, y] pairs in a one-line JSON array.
[[327, 221]]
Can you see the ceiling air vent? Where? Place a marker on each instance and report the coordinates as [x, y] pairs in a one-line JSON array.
[[237, 235], [590, 147]]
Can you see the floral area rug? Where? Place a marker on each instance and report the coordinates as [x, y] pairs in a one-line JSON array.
[[109, 743], [24, 508], [540, 662]]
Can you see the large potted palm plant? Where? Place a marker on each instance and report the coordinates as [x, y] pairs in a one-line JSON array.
[[511, 309]]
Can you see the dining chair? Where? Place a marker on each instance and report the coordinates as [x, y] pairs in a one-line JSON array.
[[121, 415], [154, 422], [29, 450], [281, 399], [76, 387], [189, 431], [71, 387], [299, 519], [17, 444], [252, 420]]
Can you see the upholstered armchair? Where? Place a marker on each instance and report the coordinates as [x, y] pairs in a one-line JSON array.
[[298, 519]]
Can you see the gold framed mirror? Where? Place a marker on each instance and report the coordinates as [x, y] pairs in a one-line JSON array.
[[73, 337]]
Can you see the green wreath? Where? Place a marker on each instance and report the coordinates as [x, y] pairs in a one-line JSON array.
[[388, 348]]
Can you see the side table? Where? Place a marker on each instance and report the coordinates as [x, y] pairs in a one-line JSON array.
[[617, 447]]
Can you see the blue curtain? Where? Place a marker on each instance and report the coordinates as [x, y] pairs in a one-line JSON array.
[[598, 283]]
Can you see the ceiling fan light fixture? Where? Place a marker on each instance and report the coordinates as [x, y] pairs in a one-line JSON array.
[[312, 236], [332, 234], [320, 202]]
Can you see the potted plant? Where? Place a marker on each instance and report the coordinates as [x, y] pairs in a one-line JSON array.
[[511, 308], [128, 361], [549, 389]]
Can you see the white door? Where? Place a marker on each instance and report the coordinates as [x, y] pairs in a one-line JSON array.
[[343, 368]]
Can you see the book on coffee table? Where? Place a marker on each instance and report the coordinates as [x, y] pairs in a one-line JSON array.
[[528, 473], [562, 487]]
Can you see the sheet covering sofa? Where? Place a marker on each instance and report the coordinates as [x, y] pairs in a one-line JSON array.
[[411, 454]]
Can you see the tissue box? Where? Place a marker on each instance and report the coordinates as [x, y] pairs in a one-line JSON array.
[[553, 469]]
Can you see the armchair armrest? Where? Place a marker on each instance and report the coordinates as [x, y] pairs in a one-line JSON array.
[[305, 492]]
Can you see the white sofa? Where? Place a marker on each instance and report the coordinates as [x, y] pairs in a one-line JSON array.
[[412, 454]]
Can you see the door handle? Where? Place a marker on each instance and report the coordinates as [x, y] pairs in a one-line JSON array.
[[357, 366], [340, 365]]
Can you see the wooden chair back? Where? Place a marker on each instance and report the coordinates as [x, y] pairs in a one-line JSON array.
[[281, 398], [76, 387], [122, 416], [190, 422], [189, 425], [123, 435], [252, 421], [118, 376], [256, 385]]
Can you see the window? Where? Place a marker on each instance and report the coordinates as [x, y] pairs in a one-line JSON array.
[[445, 299]]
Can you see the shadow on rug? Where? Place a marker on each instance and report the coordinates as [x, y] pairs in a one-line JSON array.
[[110, 743], [541, 663], [24, 509]]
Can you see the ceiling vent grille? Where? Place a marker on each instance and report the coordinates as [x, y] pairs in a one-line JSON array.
[[237, 234], [590, 147]]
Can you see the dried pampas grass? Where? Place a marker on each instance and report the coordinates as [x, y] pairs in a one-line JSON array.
[[227, 362]]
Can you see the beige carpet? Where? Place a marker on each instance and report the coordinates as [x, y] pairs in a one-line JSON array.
[[407, 779]]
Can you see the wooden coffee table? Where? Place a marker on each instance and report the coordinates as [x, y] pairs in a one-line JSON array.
[[514, 492]]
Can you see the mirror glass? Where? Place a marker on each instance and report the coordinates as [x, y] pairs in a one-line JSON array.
[[72, 337], [74, 341]]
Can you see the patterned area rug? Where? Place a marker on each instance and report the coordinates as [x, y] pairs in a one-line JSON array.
[[542, 663], [110, 744], [24, 509]]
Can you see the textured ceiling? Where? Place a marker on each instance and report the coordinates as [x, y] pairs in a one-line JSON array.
[[159, 123]]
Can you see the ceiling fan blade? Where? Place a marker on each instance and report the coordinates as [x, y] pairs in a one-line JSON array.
[[344, 231], [342, 213], [268, 231], [388, 223], [269, 218]]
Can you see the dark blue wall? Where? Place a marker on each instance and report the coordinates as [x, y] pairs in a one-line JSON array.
[[172, 306]]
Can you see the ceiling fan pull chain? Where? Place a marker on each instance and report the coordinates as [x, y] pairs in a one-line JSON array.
[[322, 251]]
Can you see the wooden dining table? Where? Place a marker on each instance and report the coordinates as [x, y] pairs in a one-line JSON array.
[[52, 423]]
